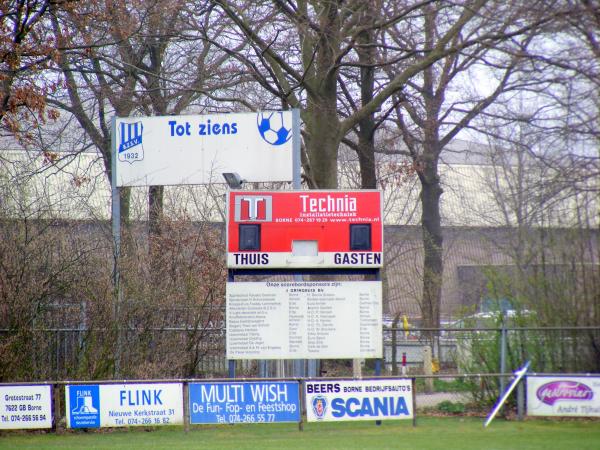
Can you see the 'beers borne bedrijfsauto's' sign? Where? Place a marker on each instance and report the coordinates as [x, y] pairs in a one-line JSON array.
[[304, 229]]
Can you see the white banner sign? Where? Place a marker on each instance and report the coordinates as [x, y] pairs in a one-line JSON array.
[[563, 396], [334, 400], [304, 320], [124, 405], [25, 407], [174, 150]]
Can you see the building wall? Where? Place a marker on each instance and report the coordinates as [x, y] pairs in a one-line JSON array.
[[467, 253]]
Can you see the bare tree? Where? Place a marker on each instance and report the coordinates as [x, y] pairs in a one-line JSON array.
[[26, 51], [151, 62], [300, 49]]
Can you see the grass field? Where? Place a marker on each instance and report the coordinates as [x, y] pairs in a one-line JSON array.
[[446, 433]]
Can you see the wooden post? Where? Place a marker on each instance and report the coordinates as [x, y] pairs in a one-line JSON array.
[[427, 369]]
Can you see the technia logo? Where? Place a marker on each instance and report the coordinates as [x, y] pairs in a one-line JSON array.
[[253, 208], [319, 406], [274, 127], [130, 142]]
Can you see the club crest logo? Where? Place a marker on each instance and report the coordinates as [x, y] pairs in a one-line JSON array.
[[130, 142], [319, 406]]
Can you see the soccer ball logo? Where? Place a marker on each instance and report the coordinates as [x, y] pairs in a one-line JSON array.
[[273, 127]]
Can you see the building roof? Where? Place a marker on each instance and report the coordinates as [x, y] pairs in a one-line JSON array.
[[476, 193]]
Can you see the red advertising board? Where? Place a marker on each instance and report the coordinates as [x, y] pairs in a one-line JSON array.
[[304, 229]]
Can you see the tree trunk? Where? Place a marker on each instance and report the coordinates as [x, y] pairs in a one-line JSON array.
[[322, 143], [366, 130], [433, 265], [155, 214]]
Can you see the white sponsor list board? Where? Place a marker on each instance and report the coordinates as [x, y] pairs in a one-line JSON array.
[[563, 396], [124, 405], [25, 407], [174, 150], [304, 320], [337, 400]]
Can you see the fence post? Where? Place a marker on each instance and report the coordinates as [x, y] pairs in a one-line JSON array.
[[56, 391], [357, 368], [186, 407], [394, 346], [413, 381], [427, 369], [302, 404], [521, 400], [503, 333]]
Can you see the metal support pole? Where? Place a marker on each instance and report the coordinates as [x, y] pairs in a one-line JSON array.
[[378, 373], [230, 362], [521, 400], [186, 407], [116, 231], [300, 366], [503, 335]]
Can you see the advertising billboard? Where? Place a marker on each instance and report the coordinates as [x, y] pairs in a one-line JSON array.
[[25, 407], [124, 405], [304, 229], [343, 400], [563, 396], [244, 402], [175, 150]]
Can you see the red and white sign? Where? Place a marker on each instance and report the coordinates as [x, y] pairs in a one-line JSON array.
[[304, 229]]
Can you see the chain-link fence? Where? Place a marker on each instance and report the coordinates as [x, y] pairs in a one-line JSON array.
[[181, 352], [491, 350]]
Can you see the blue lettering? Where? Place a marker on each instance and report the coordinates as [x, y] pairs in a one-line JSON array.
[[338, 409], [401, 408], [251, 258], [349, 403], [376, 407], [179, 129], [367, 409], [143, 397], [381, 406], [214, 129]]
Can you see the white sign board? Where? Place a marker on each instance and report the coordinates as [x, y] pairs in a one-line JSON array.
[[334, 400], [304, 320], [174, 150], [124, 405], [563, 396], [25, 407]]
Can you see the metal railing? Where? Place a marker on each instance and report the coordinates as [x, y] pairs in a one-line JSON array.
[[68, 353]]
